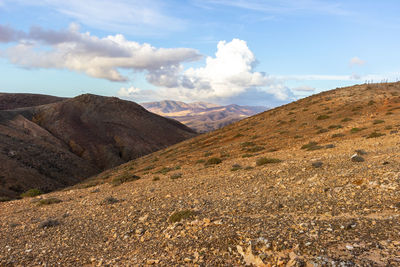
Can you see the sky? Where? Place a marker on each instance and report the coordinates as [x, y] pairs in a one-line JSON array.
[[247, 52]]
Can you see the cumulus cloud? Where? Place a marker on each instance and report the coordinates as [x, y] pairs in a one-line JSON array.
[[357, 61], [83, 52], [229, 73]]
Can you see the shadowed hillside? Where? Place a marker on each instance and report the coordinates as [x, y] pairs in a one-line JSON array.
[[55, 145], [13, 101], [311, 183]]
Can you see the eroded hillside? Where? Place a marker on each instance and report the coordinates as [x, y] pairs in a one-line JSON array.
[[312, 182]]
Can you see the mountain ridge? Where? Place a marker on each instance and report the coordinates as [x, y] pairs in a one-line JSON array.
[[202, 116]]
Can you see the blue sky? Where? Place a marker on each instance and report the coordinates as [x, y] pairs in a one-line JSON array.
[[250, 52]]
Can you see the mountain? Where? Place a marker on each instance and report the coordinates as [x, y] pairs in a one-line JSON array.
[[311, 183], [13, 101], [59, 144], [201, 116]]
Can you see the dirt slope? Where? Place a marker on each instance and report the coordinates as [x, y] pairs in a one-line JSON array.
[[56, 145], [200, 116], [255, 192]]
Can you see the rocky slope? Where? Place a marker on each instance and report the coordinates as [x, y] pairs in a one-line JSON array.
[[59, 144], [311, 183], [201, 116]]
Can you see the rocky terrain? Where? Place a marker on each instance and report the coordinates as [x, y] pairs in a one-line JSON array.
[[200, 116], [59, 144], [311, 183]]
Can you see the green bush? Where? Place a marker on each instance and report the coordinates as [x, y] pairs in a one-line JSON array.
[[263, 161], [32, 193]]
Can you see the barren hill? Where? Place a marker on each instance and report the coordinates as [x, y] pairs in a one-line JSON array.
[[13, 101], [201, 116], [311, 183], [59, 144]]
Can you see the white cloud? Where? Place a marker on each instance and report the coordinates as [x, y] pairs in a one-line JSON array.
[[226, 76], [229, 73], [83, 52], [357, 61]]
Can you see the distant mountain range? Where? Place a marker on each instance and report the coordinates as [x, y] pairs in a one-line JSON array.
[[201, 116], [48, 145]]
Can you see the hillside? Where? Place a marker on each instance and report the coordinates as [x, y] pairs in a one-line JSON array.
[[13, 101], [201, 116], [311, 183], [56, 145]]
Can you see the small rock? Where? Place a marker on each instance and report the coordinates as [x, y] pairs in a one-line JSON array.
[[385, 163], [349, 247], [357, 158], [151, 262], [139, 231]]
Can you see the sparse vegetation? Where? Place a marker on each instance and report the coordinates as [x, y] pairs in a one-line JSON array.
[[200, 161], [347, 119], [236, 167], [375, 135], [165, 170], [320, 131], [263, 161], [311, 146], [356, 130], [181, 215], [213, 161], [124, 178], [337, 135], [335, 126], [32, 193], [255, 149], [378, 121], [247, 144], [49, 201], [110, 200], [323, 117], [176, 176], [247, 155], [148, 168]]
